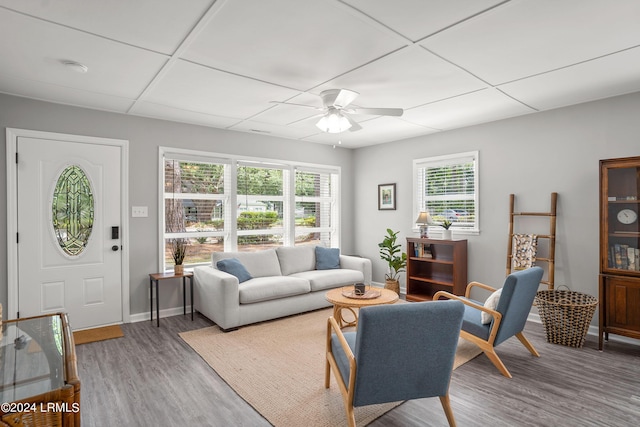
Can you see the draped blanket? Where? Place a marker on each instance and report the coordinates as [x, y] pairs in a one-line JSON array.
[[525, 248]]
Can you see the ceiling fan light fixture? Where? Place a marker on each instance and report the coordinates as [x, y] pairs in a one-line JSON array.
[[333, 122]]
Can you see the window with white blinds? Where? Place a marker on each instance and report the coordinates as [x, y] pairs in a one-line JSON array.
[[447, 188], [215, 203], [195, 207], [260, 205], [314, 206]]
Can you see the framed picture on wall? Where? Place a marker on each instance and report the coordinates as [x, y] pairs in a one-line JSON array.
[[386, 197]]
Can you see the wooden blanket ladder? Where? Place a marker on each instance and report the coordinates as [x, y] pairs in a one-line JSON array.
[[549, 260]]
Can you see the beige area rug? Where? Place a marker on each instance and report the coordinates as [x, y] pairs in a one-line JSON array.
[[278, 368], [97, 334]]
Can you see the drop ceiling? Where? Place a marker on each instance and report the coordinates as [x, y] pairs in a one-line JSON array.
[[448, 64]]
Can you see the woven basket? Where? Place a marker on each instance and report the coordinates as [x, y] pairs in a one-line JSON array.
[[392, 285], [566, 315]]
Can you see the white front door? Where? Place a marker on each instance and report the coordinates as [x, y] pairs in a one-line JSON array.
[[68, 210]]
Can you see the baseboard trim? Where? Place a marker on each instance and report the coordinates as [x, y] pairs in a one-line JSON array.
[[167, 312]]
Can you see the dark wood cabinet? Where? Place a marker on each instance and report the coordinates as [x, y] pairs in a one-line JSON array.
[[435, 265], [619, 290]]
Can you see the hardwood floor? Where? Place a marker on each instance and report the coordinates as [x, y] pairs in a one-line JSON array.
[[152, 378]]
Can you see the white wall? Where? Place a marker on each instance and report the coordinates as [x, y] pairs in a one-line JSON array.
[[530, 156], [145, 136]]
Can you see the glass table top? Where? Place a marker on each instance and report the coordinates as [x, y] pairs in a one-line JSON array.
[[31, 357]]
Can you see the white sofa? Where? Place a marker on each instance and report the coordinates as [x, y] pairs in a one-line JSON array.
[[284, 281]]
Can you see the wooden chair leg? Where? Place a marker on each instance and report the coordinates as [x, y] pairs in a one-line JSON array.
[[446, 405], [491, 354], [351, 417], [327, 373], [527, 344]]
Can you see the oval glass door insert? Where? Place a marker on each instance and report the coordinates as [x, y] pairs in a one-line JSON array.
[[73, 210]]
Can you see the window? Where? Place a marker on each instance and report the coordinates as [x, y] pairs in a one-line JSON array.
[[260, 208], [447, 188], [219, 204], [314, 206], [72, 210]]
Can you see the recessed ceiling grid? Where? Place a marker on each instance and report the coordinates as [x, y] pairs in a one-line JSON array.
[[222, 63]]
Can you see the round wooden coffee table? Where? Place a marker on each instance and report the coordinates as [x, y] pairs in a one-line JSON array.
[[340, 301]]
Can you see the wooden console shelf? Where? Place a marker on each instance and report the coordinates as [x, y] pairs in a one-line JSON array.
[[435, 265]]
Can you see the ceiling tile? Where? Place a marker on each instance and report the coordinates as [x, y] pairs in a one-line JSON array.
[[270, 129], [416, 19], [63, 95], [114, 68], [156, 25], [293, 43], [195, 88], [600, 78], [523, 38], [473, 108], [405, 79], [163, 112]]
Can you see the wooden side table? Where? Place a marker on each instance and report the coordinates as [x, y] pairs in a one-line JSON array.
[[156, 277], [340, 302]]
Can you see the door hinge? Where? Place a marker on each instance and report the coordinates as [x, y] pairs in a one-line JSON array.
[[16, 157], [17, 237], [17, 315]]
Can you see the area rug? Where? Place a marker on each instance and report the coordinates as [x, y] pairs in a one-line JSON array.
[[278, 368], [97, 334]]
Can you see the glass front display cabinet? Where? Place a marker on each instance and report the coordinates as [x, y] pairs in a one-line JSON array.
[[619, 287]]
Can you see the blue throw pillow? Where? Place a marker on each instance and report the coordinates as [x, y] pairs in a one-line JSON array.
[[327, 258], [235, 267]]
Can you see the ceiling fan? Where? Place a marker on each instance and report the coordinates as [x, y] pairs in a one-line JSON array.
[[335, 111]]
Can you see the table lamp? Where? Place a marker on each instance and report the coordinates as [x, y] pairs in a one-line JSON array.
[[423, 221]]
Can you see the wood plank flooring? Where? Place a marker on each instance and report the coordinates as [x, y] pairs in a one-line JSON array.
[[152, 378]]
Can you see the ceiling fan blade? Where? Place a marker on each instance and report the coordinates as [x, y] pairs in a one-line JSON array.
[[344, 98], [396, 112], [297, 105], [338, 98]]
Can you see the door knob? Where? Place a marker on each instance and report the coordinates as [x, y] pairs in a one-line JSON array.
[[114, 248]]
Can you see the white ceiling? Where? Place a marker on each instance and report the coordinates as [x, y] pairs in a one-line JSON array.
[[220, 63]]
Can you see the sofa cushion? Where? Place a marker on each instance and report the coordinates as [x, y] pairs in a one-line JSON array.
[[327, 258], [269, 288], [296, 259], [258, 264], [329, 279], [234, 267]]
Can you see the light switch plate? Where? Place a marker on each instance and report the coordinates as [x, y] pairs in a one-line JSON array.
[[139, 211]]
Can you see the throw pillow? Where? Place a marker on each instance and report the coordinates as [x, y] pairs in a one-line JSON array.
[[491, 303], [327, 258], [234, 267]]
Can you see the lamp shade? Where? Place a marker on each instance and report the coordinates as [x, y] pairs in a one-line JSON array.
[[423, 218]]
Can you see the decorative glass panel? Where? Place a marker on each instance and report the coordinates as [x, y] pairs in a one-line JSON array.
[[73, 210]]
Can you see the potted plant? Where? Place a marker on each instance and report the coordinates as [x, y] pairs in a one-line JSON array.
[[446, 235], [396, 259], [178, 252]]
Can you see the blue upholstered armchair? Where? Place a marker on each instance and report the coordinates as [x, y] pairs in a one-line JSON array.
[[505, 313], [399, 352]]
